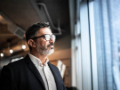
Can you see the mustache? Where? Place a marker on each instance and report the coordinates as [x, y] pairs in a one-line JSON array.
[[50, 44]]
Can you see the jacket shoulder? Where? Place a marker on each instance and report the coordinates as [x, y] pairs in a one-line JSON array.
[[15, 65], [52, 65]]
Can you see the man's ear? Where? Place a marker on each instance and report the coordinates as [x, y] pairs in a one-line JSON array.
[[31, 43]]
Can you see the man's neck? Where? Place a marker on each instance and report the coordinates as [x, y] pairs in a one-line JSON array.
[[43, 58]]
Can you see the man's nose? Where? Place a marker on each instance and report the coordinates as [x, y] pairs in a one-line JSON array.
[[51, 40]]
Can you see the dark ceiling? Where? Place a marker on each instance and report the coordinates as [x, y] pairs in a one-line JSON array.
[[23, 13]]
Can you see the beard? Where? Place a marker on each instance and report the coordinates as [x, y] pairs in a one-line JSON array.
[[45, 50]]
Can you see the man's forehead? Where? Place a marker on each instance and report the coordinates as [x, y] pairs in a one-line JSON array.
[[44, 31]]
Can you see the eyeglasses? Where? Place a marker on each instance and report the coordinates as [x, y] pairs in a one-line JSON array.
[[46, 36]]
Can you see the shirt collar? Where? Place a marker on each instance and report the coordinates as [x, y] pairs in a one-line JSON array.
[[37, 61]]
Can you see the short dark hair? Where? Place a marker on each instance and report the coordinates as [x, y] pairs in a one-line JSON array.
[[33, 29]]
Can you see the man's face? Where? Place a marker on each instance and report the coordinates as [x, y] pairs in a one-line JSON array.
[[44, 47]]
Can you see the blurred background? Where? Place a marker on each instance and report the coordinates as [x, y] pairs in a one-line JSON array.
[[87, 47]]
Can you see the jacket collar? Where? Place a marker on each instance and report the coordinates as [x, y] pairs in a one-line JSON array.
[[56, 77], [36, 73], [32, 67]]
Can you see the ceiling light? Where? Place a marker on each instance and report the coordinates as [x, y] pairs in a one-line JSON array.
[[23, 46], [2, 55], [11, 51]]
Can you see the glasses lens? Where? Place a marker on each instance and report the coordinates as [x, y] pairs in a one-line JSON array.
[[47, 37], [53, 37]]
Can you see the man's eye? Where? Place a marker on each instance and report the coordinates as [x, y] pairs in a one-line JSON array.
[[43, 37]]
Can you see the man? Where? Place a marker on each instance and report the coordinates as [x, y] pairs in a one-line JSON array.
[[34, 72]]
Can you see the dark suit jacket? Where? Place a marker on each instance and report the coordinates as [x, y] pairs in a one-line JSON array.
[[23, 75]]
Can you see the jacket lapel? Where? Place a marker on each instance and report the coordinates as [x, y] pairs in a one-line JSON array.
[[56, 77], [32, 67]]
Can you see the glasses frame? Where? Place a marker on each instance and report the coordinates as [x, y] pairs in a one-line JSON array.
[[44, 36]]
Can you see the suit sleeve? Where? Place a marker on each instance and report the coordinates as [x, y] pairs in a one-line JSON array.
[[6, 79]]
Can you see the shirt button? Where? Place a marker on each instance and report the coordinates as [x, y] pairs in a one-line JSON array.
[[41, 65]]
